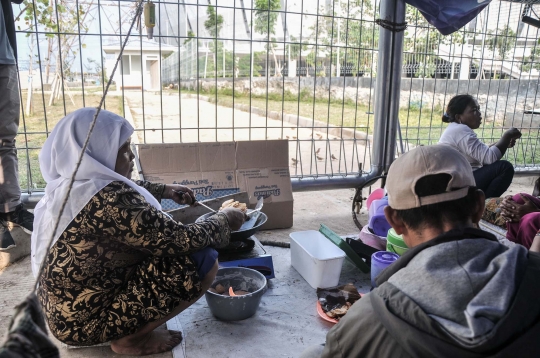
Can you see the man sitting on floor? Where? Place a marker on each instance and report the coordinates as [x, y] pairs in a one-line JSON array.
[[457, 292]]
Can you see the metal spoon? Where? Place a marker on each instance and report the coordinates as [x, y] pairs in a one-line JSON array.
[[181, 193], [258, 207]]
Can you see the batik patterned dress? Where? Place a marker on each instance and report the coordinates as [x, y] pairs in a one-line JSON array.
[[492, 212], [120, 264]]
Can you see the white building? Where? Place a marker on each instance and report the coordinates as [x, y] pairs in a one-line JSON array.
[[140, 67]]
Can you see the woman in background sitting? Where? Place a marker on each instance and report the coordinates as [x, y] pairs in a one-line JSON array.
[[492, 174]]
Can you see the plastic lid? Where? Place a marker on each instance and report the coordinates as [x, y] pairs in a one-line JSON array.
[[384, 257], [395, 239]]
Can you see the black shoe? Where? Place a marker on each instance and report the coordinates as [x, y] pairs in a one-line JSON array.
[[20, 217], [536, 190], [6, 240]]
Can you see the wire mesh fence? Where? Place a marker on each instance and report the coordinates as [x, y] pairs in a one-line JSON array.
[[222, 70]]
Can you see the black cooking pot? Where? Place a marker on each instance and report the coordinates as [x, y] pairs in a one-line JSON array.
[[242, 234]]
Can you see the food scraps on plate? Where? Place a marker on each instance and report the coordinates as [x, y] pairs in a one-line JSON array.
[[336, 301]]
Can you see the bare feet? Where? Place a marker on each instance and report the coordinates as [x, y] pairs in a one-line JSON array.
[[157, 341]]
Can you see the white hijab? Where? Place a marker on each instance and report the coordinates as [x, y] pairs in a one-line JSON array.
[[57, 161]]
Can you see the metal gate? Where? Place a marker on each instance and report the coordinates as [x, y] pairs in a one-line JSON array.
[[305, 71]]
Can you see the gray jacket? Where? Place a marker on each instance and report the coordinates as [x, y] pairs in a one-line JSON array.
[[461, 294]]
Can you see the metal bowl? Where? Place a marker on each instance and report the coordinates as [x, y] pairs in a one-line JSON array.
[[227, 308], [242, 234]]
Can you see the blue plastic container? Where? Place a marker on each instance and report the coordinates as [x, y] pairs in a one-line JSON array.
[[379, 261], [377, 221]]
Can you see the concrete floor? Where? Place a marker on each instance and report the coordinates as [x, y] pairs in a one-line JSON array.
[[332, 208], [16, 280], [311, 209]]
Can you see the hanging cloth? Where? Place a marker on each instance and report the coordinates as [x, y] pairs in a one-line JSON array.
[[448, 16]]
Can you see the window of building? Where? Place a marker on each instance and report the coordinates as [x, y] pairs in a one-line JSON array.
[[126, 65], [136, 63]]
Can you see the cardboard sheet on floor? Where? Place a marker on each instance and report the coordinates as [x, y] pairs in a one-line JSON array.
[[285, 323]]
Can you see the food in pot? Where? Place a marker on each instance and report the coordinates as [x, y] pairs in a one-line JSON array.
[[231, 203], [230, 291]]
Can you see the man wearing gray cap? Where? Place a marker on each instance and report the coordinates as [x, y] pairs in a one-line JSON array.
[[457, 292]]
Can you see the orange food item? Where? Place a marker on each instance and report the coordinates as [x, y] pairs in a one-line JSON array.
[[231, 292]]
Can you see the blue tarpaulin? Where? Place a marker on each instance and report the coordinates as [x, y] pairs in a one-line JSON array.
[[449, 15]]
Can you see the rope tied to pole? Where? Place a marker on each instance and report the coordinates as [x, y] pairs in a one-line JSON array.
[[138, 12], [392, 26]]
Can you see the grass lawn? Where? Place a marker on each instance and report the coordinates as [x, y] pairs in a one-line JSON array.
[[418, 126], [33, 129]]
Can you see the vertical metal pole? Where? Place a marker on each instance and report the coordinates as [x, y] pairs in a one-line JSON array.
[[387, 88], [388, 85]]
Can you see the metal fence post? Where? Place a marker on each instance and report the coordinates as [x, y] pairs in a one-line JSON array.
[[388, 85]]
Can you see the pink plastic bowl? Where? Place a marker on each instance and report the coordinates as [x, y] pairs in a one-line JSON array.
[[375, 195]]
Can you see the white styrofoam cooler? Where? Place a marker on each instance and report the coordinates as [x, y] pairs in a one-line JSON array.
[[317, 259]]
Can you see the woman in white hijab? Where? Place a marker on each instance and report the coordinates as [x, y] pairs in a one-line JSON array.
[[118, 266]]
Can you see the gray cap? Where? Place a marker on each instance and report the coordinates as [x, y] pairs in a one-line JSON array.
[[405, 172]]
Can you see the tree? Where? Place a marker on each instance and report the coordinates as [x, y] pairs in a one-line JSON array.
[[359, 37], [265, 24], [57, 18], [294, 47], [213, 25], [98, 69], [503, 41], [191, 35], [244, 64], [422, 42], [344, 37], [533, 60], [310, 62]]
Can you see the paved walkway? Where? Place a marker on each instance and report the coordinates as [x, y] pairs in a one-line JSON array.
[[171, 119]]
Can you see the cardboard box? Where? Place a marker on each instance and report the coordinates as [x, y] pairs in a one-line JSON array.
[[213, 170]]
